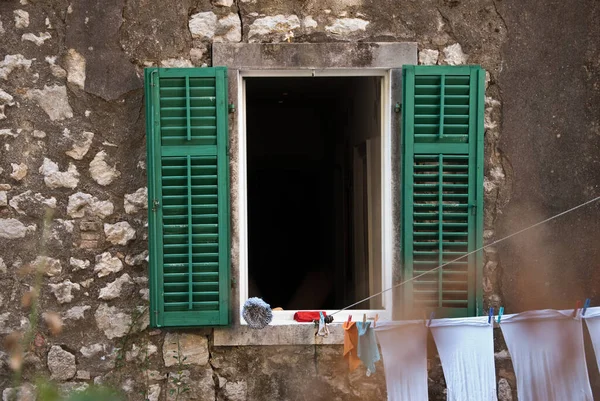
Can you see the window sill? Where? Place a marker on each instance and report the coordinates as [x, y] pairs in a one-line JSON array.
[[278, 334]]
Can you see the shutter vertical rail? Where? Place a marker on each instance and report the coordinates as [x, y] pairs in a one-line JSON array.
[[442, 94], [190, 247], [440, 228], [223, 185], [407, 194], [478, 78], [156, 140], [188, 110]]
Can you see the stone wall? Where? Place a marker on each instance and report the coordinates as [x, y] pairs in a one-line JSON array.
[[73, 196]]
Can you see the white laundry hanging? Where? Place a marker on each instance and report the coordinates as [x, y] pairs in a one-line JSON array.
[[592, 319], [404, 351], [466, 349], [546, 348]]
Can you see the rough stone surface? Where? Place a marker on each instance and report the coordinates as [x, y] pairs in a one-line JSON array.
[[100, 170], [81, 145], [6, 99], [12, 62], [113, 290], [91, 350], [137, 259], [54, 178], [504, 390], [21, 19], [235, 391], [154, 392], [95, 34], [200, 383], [107, 264], [12, 229], [119, 233], [541, 154], [79, 264], [75, 68], [112, 321], [453, 55], [550, 147], [26, 392], [81, 204], [37, 40], [76, 312], [309, 23], [428, 56], [61, 364], [50, 266], [176, 63], [5, 132], [3, 199], [223, 3], [63, 291], [55, 69], [53, 100], [347, 26], [136, 201], [19, 171], [193, 347], [31, 204], [275, 28], [229, 29], [203, 25]]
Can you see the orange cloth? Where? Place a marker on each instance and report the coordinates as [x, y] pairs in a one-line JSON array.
[[351, 345]]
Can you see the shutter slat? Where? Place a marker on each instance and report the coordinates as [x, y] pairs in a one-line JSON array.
[[188, 196], [441, 206]]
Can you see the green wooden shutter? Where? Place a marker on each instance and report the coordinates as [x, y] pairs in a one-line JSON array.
[[442, 191], [188, 196]]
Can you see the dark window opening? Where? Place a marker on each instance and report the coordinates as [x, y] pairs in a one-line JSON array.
[[314, 185]]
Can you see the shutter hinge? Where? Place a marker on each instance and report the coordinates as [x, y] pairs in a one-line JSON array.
[[398, 108], [231, 108], [155, 205], [473, 209]]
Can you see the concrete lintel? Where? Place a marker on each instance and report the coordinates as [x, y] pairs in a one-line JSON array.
[[314, 55], [292, 334]]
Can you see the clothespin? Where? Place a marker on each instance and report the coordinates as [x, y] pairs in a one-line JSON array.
[[500, 312], [349, 318], [364, 318], [577, 306], [376, 319], [431, 318], [585, 306], [490, 314]]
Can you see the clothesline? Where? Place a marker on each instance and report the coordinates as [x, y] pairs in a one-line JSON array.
[[546, 348], [539, 223]]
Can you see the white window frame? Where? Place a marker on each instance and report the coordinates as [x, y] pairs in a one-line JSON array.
[[387, 222]]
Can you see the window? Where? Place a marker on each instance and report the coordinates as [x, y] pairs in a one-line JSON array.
[[188, 194], [315, 191], [442, 201], [314, 152]]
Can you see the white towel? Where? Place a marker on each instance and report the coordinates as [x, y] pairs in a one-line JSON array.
[[547, 353], [404, 351], [466, 349]]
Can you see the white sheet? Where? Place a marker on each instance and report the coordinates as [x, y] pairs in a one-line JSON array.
[[547, 353], [592, 319], [404, 352], [466, 349]]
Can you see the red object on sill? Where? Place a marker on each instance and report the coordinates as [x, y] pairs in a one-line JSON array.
[[307, 316]]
